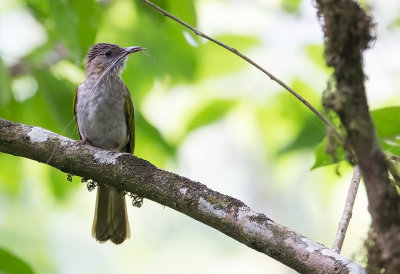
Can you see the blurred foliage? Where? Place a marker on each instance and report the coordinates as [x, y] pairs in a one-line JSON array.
[[291, 6], [316, 55], [10, 181], [328, 154], [4, 85], [11, 264], [210, 112], [38, 88], [294, 127], [217, 61], [388, 128]]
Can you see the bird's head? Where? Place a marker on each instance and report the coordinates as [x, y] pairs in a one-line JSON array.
[[110, 58]]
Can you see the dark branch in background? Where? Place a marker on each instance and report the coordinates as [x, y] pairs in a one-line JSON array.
[[253, 63], [129, 173], [347, 30], [347, 211]]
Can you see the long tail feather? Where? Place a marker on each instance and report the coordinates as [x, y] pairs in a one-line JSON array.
[[110, 218]]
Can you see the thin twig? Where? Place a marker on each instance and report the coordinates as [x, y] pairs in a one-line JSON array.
[[348, 209], [247, 59]]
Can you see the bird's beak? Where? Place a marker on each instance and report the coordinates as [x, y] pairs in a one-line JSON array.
[[133, 49]]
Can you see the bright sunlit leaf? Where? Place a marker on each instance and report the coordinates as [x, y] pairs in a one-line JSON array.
[[387, 125], [323, 158]]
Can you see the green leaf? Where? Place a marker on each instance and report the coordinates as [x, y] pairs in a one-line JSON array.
[[146, 9], [316, 55], [58, 95], [39, 8], [184, 10], [293, 125], [59, 185], [150, 144], [169, 55], [66, 25], [210, 112], [88, 22], [10, 175], [387, 125], [397, 22], [33, 111], [11, 264], [75, 22], [309, 136], [216, 61], [291, 6], [322, 158]]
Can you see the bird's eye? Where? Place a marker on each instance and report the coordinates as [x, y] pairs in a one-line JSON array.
[[108, 53]]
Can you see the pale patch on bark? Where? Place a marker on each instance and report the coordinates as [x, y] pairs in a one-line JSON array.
[[243, 212], [183, 190], [38, 135], [351, 266], [311, 246], [248, 219], [65, 141], [104, 157], [208, 207]]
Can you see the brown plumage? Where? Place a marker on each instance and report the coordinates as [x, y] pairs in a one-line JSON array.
[[104, 114]]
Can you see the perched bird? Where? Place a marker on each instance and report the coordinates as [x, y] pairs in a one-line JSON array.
[[105, 117]]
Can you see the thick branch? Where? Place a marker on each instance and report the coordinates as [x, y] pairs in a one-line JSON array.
[[347, 30], [127, 172]]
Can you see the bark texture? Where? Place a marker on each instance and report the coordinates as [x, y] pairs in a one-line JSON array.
[[348, 31], [224, 213]]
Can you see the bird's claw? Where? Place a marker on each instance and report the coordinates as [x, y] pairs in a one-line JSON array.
[[82, 142]]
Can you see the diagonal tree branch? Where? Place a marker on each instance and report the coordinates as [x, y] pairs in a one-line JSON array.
[[253, 63], [224, 213]]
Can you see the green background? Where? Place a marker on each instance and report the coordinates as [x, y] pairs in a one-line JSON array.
[[200, 111]]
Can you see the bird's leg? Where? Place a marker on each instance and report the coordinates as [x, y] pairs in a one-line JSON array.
[[114, 150], [82, 142]]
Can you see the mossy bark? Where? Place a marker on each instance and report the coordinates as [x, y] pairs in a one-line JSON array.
[[348, 31]]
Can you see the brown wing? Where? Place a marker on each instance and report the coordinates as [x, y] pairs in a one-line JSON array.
[[76, 117], [130, 121]]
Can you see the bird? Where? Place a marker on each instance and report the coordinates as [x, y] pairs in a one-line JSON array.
[[104, 115]]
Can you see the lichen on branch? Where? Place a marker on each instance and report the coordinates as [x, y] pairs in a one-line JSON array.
[[131, 174], [348, 31]]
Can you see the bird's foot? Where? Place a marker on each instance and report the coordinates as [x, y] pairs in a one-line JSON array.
[[113, 151], [82, 142]]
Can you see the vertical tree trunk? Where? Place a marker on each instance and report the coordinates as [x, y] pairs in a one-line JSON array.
[[347, 30]]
